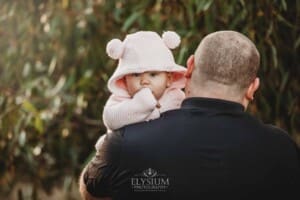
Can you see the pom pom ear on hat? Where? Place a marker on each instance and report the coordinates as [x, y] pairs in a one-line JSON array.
[[171, 39], [115, 48]]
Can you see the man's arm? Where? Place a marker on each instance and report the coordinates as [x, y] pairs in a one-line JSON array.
[[85, 195], [99, 176]]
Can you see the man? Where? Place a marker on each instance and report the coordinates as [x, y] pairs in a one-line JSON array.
[[210, 148]]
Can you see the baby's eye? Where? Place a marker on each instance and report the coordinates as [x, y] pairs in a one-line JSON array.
[[135, 74], [153, 74]]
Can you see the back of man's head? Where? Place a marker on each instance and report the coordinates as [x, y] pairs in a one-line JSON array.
[[225, 58]]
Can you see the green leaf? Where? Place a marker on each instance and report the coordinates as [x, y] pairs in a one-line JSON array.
[[284, 81], [274, 55], [207, 5], [190, 13], [130, 20], [38, 124], [284, 6], [297, 43], [203, 5], [182, 53], [22, 138], [29, 107], [282, 19]]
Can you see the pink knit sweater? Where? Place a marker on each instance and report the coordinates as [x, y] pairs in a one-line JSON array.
[[120, 111]]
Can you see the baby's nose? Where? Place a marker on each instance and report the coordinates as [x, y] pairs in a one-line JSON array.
[[144, 80]]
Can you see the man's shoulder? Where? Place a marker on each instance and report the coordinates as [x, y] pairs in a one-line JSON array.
[[166, 118], [117, 135], [280, 141], [275, 129], [267, 129], [277, 132]]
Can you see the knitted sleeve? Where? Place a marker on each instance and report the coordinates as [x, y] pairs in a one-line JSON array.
[[171, 99], [120, 111]]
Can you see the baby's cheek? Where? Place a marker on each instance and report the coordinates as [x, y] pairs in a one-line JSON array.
[[132, 89]]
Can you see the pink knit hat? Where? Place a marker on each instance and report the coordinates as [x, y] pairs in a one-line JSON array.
[[141, 52]]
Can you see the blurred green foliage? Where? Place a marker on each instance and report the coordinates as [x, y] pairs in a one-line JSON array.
[[54, 69]]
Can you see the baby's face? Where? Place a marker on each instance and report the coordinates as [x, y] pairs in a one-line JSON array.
[[156, 81]]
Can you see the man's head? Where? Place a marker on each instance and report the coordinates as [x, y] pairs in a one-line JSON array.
[[224, 66]]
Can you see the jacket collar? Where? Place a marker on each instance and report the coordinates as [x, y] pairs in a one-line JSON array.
[[211, 104]]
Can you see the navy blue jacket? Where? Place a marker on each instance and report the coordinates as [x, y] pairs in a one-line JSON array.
[[207, 149]]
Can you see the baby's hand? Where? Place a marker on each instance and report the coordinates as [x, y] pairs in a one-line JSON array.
[[150, 89], [158, 104], [144, 89], [147, 92]]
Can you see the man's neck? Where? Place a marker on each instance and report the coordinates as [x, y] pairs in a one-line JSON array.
[[218, 94]]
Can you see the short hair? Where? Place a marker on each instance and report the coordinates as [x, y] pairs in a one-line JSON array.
[[226, 57]]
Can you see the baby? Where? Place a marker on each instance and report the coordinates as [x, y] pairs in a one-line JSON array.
[[147, 81]]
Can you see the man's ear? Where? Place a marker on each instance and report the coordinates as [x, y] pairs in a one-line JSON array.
[[252, 89], [190, 66]]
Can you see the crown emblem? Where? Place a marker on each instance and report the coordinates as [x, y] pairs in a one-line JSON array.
[[149, 173]]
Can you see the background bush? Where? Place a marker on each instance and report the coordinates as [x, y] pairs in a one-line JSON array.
[[54, 69]]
